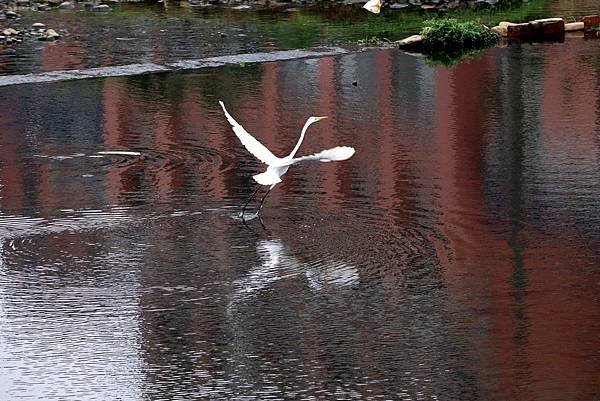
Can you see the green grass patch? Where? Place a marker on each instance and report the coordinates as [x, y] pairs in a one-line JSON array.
[[451, 35], [448, 41]]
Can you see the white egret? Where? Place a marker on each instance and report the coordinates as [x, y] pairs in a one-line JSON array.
[[278, 166], [373, 6]]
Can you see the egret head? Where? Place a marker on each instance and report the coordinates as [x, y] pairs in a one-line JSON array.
[[315, 119]]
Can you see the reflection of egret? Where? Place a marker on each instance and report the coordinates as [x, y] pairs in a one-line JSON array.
[[278, 264], [373, 6], [276, 166]]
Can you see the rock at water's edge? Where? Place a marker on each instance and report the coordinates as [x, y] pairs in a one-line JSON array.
[[49, 35], [413, 43], [10, 31], [103, 8]]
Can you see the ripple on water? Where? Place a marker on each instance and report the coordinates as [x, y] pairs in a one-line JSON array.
[[154, 285], [139, 175]]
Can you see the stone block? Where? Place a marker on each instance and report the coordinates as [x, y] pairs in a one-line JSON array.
[[591, 21], [519, 31], [537, 30], [550, 26]]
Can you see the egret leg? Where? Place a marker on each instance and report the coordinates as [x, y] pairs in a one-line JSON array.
[[261, 222], [263, 201], [248, 201]]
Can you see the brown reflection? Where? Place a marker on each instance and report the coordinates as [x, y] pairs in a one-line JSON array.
[[13, 179], [68, 53], [118, 121], [480, 267], [327, 178], [506, 277]]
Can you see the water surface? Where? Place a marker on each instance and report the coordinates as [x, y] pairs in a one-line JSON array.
[[454, 257]]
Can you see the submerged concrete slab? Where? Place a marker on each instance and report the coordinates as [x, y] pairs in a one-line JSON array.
[[276, 56], [194, 64], [67, 75], [137, 69]]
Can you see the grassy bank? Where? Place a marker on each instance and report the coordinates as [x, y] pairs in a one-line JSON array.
[[303, 28], [352, 25]]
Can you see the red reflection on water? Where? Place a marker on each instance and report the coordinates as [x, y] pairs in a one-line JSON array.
[[535, 339], [12, 174], [116, 103], [328, 178], [67, 53]]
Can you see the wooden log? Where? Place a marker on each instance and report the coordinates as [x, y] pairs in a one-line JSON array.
[[500, 30], [574, 26]]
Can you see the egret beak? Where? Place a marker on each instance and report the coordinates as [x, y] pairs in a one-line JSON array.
[[320, 118]]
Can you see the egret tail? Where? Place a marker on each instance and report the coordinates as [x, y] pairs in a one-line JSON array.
[[267, 178]]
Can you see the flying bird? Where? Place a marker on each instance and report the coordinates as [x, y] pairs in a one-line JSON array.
[[278, 166], [373, 6]]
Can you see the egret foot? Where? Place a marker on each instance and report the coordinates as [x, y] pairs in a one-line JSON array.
[[248, 201]]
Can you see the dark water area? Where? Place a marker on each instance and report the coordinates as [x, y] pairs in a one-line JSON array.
[[455, 257], [146, 33]]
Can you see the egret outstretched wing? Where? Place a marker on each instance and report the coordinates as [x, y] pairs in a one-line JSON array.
[[329, 155], [252, 144]]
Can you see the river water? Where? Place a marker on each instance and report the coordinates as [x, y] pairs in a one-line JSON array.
[[456, 256]]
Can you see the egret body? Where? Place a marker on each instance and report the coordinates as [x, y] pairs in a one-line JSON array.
[[278, 166]]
